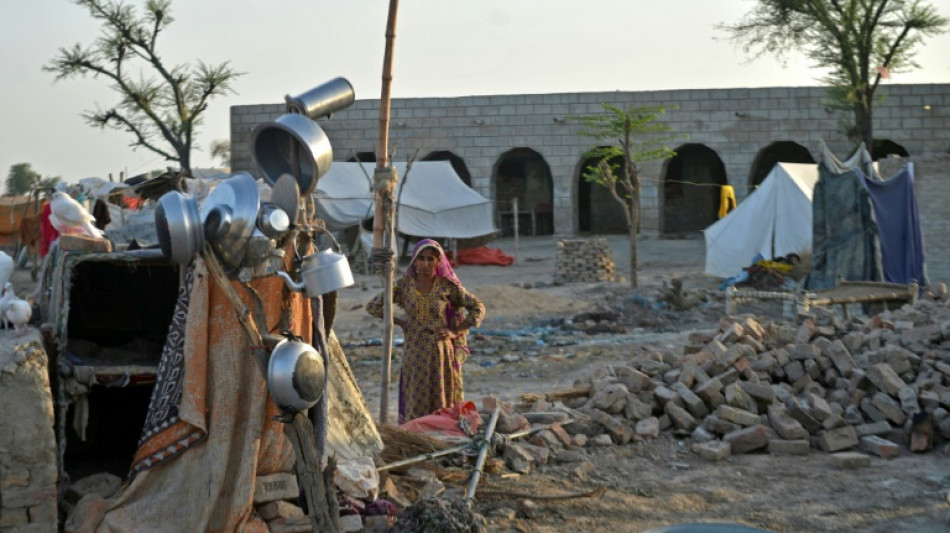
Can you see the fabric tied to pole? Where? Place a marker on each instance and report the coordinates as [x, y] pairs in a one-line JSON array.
[[382, 261], [384, 181], [727, 200]]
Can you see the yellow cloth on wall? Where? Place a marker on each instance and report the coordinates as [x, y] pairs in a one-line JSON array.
[[727, 198]]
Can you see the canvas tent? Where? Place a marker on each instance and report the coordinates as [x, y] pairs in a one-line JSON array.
[[433, 201], [774, 220]]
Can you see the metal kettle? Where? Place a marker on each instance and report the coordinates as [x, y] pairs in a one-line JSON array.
[[321, 272]]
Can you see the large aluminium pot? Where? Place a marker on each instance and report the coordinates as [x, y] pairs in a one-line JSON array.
[[292, 144], [178, 225], [295, 375]]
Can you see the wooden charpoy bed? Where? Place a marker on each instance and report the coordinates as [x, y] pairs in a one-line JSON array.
[[843, 294]]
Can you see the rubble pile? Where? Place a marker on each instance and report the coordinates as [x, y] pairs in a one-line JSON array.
[[874, 385]]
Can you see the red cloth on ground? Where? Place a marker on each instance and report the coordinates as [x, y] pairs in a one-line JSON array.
[[483, 255], [48, 233], [445, 421]]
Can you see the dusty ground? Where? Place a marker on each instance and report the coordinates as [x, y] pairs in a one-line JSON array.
[[524, 347]]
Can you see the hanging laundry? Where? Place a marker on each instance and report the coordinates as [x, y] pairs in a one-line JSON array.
[[727, 198]]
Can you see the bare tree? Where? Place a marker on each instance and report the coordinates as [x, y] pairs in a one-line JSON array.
[[160, 105]]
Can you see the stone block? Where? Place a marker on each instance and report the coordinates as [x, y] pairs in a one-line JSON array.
[[885, 379], [763, 394], [737, 397], [736, 415], [800, 413], [717, 425], [850, 460], [747, 439], [680, 417], [715, 450], [879, 446], [834, 440], [875, 428], [634, 409], [694, 404], [648, 428], [789, 447], [711, 393], [889, 408], [785, 425], [279, 486], [279, 509]]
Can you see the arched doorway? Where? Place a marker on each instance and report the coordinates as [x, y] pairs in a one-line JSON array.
[[363, 157], [597, 210], [885, 147], [777, 152], [523, 173], [457, 163], [691, 187]]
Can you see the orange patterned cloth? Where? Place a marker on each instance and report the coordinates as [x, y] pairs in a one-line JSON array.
[[225, 435], [431, 373]]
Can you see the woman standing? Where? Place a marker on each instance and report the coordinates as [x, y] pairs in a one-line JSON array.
[[439, 313]]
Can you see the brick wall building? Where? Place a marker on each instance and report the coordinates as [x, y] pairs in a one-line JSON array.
[[526, 146]]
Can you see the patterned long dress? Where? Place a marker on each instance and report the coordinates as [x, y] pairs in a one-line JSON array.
[[431, 374]]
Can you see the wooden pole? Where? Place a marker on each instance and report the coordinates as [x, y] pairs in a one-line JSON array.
[[383, 222], [514, 209]]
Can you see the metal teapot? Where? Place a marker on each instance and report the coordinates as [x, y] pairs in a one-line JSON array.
[[320, 273]]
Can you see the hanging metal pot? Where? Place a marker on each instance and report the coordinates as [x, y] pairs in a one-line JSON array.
[[322, 100], [296, 376], [229, 216], [178, 225], [293, 144]]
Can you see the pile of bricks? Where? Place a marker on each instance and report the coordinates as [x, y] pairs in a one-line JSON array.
[[28, 468], [583, 261], [868, 386]]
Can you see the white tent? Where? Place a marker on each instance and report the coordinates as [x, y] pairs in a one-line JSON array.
[[774, 220], [434, 201]]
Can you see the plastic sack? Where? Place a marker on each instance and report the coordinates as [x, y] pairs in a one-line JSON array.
[[460, 420]]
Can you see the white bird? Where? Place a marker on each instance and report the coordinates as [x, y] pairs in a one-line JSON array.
[[6, 268], [18, 313], [69, 216], [6, 296]]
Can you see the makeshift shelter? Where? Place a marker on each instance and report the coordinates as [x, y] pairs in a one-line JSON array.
[[13, 209], [432, 200], [845, 236], [774, 221]]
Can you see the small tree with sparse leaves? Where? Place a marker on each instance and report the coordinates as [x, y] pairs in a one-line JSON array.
[[639, 137], [161, 105]]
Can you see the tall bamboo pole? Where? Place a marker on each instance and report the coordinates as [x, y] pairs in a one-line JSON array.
[[385, 208]]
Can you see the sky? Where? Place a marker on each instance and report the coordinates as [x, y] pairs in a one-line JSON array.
[[442, 48]]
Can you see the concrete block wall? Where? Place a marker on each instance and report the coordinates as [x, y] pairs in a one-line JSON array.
[[735, 123], [28, 467]]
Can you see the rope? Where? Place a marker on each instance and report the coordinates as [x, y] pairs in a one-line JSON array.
[[382, 261], [384, 181]]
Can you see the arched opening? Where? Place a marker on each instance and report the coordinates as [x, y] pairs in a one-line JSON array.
[[692, 181], [885, 147], [457, 163], [362, 157], [523, 173], [597, 210], [777, 152]]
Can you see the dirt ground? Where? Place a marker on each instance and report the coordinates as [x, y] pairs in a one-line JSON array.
[[521, 349]]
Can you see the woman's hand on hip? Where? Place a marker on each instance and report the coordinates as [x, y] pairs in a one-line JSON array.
[[446, 334]]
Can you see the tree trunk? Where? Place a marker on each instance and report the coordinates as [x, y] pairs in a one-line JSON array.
[[862, 118], [632, 230]]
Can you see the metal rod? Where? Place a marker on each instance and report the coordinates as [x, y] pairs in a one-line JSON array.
[[480, 463]]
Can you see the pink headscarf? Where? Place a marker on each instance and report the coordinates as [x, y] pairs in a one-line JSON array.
[[442, 270]]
